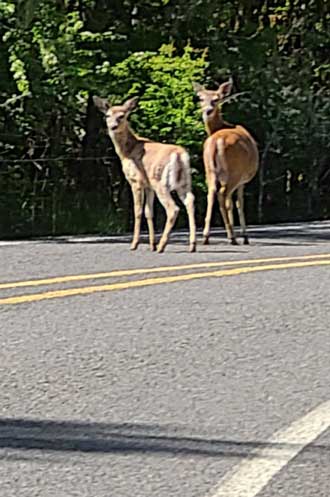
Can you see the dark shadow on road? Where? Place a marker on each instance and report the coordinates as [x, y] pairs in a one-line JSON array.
[[277, 235], [203, 251], [111, 438], [301, 236]]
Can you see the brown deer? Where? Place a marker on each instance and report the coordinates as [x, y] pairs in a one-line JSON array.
[[150, 168], [230, 159]]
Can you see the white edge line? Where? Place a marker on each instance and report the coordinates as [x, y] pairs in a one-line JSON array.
[[252, 475]]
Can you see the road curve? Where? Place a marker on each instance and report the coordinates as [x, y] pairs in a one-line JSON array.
[[209, 380]]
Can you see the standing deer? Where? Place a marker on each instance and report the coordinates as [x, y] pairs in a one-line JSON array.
[[230, 159], [150, 168]]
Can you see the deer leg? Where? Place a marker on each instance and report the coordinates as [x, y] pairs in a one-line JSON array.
[[240, 208], [229, 206], [149, 213], [188, 200], [138, 194], [225, 202], [207, 225], [172, 211]]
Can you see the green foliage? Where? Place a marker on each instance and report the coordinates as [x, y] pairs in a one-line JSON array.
[[167, 110], [55, 54]]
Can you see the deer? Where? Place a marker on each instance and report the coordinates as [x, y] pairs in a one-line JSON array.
[[151, 168], [231, 160]]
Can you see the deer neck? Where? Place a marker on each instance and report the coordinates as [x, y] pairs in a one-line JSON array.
[[215, 122], [124, 141]]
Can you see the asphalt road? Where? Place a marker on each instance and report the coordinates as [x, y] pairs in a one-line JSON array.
[[207, 379]]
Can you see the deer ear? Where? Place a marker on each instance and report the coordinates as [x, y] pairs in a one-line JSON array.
[[225, 89], [197, 87], [131, 103], [102, 104]]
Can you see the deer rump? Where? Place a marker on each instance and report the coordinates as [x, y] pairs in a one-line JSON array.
[[229, 157], [173, 172]]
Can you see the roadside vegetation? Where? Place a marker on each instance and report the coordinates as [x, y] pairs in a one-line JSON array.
[[58, 170]]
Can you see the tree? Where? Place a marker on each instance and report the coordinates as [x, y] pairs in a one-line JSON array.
[[55, 54]]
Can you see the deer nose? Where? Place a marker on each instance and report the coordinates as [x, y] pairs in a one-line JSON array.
[[209, 111], [114, 126]]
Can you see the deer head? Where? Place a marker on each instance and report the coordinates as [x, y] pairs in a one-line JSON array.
[[116, 116], [210, 99]]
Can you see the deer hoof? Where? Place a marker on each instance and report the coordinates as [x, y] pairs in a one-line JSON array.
[[233, 241], [246, 241], [160, 250], [153, 247], [192, 247], [134, 246], [205, 240]]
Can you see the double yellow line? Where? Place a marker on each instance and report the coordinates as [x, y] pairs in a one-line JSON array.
[[249, 266]]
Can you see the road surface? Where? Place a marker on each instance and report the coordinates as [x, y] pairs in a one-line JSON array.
[[175, 375]]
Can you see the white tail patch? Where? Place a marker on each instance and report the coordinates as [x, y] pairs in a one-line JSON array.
[[184, 156], [177, 172], [169, 172], [186, 177]]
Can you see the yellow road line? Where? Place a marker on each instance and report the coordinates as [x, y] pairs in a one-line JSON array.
[[162, 269], [155, 281]]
